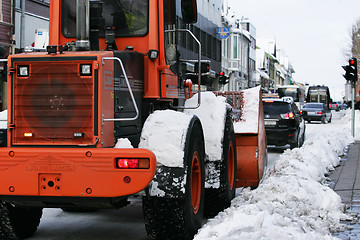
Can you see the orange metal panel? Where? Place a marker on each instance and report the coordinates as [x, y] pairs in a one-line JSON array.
[[247, 165], [251, 153], [54, 22], [246, 139], [81, 172]]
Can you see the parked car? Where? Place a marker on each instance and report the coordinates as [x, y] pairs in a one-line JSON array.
[[342, 105], [316, 112], [283, 123], [334, 106]]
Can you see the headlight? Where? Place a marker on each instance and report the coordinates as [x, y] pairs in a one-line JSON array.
[[23, 71], [85, 70]]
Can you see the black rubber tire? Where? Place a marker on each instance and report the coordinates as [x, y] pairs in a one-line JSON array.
[[175, 218], [18, 222], [323, 120], [218, 199], [296, 143]]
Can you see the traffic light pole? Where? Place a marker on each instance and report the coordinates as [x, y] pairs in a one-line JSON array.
[[353, 109], [351, 75]]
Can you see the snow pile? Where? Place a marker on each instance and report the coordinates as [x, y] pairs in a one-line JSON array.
[[292, 202], [212, 115], [250, 114]]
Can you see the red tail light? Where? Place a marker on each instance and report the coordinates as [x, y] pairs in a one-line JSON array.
[[319, 113], [289, 115], [132, 163]]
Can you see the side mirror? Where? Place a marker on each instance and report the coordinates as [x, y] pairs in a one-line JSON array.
[[189, 11]]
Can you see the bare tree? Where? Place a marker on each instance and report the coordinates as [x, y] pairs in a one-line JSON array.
[[355, 40]]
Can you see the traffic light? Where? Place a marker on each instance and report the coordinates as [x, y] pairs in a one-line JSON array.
[[351, 70], [223, 79]]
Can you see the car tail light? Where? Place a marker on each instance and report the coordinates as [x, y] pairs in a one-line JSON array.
[[289, 115], [132, 163], [319, 113]]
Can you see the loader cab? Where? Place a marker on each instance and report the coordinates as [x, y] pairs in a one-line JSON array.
[[128, 25]]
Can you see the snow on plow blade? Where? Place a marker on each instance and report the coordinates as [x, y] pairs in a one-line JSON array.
[[248, 119]]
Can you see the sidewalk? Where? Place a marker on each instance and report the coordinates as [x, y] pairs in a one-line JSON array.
[[345, 181]]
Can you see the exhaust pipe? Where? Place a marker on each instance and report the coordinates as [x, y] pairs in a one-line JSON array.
[[82, 24]]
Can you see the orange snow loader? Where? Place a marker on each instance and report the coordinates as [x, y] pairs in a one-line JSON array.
[[251, 145], [112, 67]]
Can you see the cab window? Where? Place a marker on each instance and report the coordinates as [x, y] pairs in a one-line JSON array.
[[127, 17]]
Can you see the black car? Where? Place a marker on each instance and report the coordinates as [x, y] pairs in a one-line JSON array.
[[283, 123], [316, 112]]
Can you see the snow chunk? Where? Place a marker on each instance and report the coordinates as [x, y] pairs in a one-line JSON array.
[[212, 116], [123, 143], [250, 115], [164, 133]]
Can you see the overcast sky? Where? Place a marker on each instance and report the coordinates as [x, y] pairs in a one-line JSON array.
[[313, 33]]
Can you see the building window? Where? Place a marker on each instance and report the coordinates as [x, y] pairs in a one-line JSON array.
[[218, 50], [235, 47]]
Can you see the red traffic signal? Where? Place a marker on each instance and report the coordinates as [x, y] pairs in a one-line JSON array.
[[351, 70], [222, 78]]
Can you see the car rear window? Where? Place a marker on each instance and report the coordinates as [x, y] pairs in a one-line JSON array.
[[313, 105], [276, 107]]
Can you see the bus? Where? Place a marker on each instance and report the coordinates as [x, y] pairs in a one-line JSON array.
[[320, 94], [294, 91]]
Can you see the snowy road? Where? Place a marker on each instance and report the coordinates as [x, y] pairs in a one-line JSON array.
[[127, 223]]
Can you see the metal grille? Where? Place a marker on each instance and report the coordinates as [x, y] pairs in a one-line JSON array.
[[54, 104]]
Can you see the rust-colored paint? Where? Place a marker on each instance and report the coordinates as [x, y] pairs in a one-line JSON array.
[[81, 172]]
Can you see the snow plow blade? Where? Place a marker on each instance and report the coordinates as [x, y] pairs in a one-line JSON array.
[[251, 149]]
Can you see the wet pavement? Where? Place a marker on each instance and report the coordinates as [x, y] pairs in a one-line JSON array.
[[345, 181]]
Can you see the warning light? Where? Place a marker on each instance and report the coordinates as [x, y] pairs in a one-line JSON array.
[[126, 163], [28, 134]]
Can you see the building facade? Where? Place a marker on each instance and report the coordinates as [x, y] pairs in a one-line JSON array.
[[239, 54]]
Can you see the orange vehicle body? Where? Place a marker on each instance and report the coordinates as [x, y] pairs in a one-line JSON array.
[[45, 150], [83, 167]]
